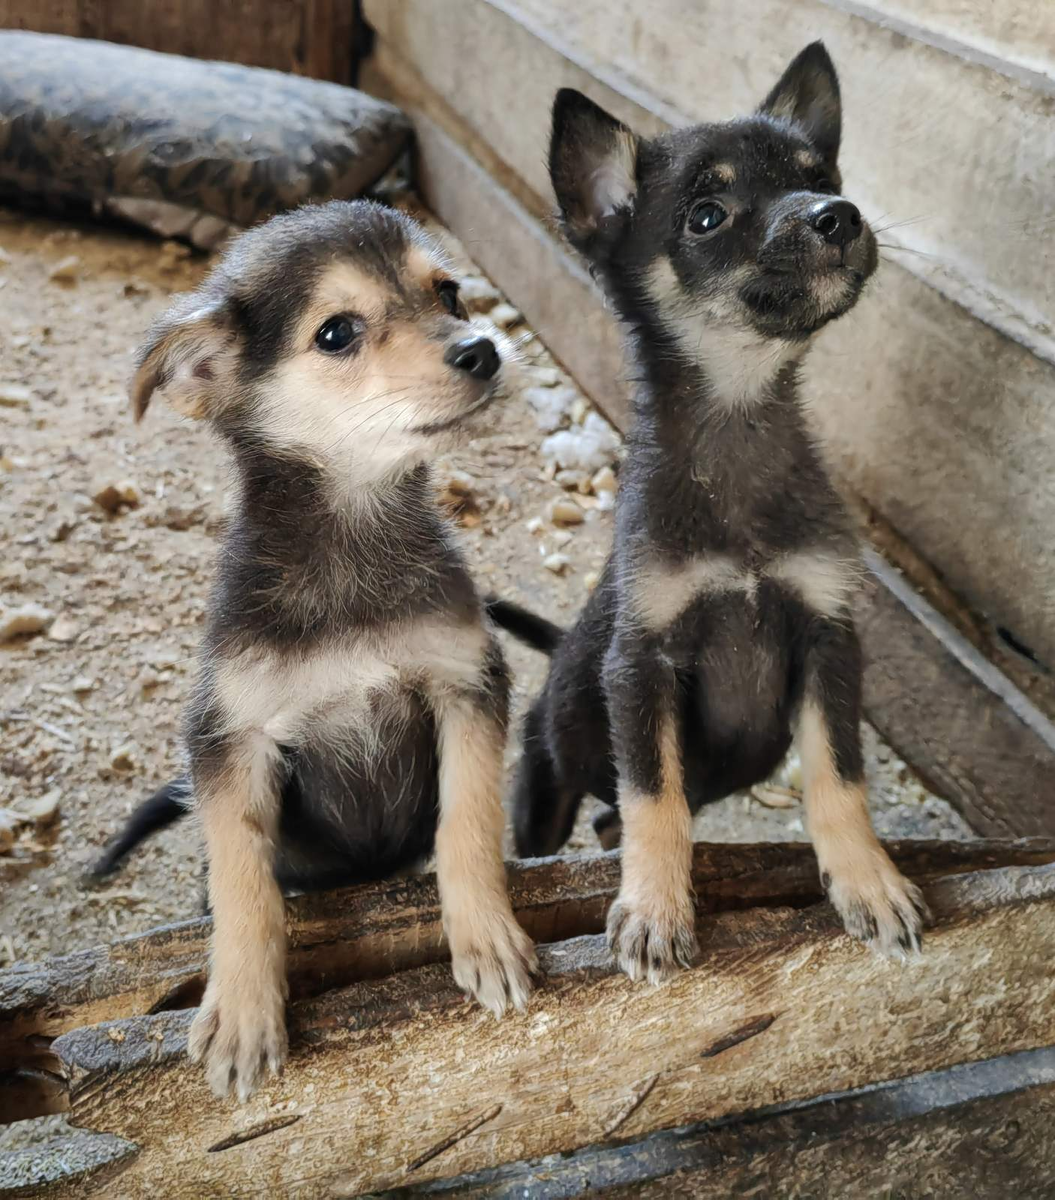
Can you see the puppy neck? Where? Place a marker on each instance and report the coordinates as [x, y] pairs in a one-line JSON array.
[[732, 367]]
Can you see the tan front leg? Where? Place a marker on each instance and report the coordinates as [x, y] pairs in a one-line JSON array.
[[877, 904], [651, 924], [240, 1028], [492, 957]]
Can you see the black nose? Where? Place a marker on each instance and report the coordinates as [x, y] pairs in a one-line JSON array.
[[477, 355], [837, 221]]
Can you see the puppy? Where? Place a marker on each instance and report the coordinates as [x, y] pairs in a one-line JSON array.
[[721, 623], [350, 710]]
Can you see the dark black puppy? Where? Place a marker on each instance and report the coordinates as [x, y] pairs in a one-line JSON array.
[[351, 703], [722, 621]]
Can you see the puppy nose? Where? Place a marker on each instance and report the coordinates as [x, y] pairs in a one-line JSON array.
[[477, 355], [837, 221]]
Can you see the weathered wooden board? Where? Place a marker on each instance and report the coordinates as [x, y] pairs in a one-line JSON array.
[[366, 932], [307, 37], [943, 423], [953, 168], [989, 1123], [972, 736], [399, 1080]]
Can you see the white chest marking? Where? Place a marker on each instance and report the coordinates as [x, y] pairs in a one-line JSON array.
[[660, 593], [281, 695]]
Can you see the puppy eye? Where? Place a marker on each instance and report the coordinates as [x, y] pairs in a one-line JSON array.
[[335, 335], [447, 290], [706, 217], [824, 185]]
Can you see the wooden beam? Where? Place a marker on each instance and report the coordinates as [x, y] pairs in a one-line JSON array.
[[307, 37], [992, 1123], [370, 931], [400, 1080]]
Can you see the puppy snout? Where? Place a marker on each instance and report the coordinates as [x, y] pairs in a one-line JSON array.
[[476, 355], [837, 221]]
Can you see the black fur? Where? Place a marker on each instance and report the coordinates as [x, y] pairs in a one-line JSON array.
[[704, 475]]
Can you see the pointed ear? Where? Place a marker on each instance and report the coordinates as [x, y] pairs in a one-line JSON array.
[[593, 166], [189, 357], [808, 94]]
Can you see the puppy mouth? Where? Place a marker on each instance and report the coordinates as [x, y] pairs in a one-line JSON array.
[[478, 406], [799, 301]]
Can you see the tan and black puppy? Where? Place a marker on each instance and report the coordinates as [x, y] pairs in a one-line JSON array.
[[722, 623], [350, 712]]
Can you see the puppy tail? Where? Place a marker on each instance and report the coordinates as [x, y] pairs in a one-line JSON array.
[[165, 807], [526, 627]]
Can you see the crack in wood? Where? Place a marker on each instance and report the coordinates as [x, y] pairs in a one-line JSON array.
[[470, 1126], [632, 1105], [748, 1030], [257, 1131]]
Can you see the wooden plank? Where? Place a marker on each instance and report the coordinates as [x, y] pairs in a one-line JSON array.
[[307, 37], [399, 1080], [953, 166], [367, 932], [961, 724], [989, 1122], [945, 425]]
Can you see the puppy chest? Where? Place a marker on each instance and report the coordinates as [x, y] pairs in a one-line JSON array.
[[663, 594]]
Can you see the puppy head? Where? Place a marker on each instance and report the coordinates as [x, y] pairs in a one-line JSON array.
[[740, 225], [333, 333]]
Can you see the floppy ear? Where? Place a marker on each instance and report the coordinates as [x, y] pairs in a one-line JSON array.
[[593, 166], [188, 357], [808, 94]]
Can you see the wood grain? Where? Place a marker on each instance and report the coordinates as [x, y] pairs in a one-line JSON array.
[[306, 37], [385, 1071]]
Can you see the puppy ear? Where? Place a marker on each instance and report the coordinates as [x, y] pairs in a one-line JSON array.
[[808, 94], [188, 357], [593, 166]]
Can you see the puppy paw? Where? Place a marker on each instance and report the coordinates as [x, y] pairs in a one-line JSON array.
[[652, 945], [494, 960], [878, 905], [238, 1034]]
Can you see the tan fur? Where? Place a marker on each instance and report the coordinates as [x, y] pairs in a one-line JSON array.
[[739, 362], [240, 1028], [610, 186], [279, 695], [724, 172], [651, 923], [660, 592], [807, 159], [865, 886], [823, 580], [491, 956], [189, 363]]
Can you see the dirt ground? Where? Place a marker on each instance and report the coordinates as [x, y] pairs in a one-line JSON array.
[[90, 703]]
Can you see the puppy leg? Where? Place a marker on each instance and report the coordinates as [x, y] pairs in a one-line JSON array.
[[651, 924], [492, 957], [240, 1028], [877, 904]]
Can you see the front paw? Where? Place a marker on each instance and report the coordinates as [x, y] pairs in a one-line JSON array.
[[493, 959], [652, 943], [238, 1033], [878, 905]]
